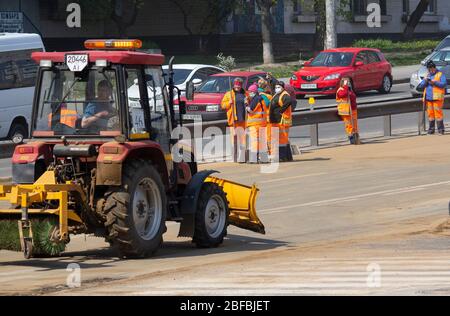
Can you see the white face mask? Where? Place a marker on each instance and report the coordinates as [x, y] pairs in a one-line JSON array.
[[278, 90]]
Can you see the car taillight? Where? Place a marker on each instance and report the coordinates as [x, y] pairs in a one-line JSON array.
[[26, 150]]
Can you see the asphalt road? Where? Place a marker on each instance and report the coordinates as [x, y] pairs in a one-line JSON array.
[[370, 219]]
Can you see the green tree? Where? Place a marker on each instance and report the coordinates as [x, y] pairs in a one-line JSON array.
[[319, 8], [216, 13], [266, 25], [414, 19]]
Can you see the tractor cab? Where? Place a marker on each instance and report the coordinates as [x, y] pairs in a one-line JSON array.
[[102, 94], [100, 162]]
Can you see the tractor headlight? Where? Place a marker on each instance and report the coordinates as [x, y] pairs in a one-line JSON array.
[[332, 77], [212, 108]]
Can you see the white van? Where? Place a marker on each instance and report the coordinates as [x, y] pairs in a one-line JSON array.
[[17, 79]]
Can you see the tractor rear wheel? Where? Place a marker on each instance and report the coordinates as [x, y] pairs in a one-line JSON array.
[[211, 218], [136, 213]]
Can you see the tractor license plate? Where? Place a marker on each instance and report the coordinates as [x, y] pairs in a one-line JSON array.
[[192, 117], [77, 62], [309, 86]]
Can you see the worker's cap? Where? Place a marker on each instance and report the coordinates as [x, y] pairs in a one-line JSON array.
[[238, 83], [431, 64], [262, 83], [253, 88], [280, 83]]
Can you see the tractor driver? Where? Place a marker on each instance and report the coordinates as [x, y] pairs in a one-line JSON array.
[[97, 113]]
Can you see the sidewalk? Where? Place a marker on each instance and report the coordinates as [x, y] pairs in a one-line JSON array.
[[402, 74]]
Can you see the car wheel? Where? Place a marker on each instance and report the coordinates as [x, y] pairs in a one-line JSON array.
[[386, 85], [18, 133]]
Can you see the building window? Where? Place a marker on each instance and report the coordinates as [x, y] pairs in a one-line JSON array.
[[406, 7], [431, 7], [359, 7], [297, 7], [303, 7]]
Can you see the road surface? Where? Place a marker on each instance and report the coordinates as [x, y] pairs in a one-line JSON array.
[[370, 219]]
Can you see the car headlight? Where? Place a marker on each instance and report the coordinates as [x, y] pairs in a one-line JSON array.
[[212, 108], [415, 76], [332, 77], [294, 77]]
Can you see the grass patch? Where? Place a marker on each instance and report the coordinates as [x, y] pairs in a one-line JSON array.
[[389, 46], [406, 59]]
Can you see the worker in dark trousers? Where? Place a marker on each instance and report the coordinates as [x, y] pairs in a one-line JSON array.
[[280, 116]]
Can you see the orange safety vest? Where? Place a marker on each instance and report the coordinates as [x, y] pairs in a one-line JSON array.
[[231, 110], [438, 93], [258, 117], [286, 117], [67, 117], [343, 105]]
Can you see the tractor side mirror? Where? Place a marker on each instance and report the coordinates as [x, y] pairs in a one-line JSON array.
[[190, 91]]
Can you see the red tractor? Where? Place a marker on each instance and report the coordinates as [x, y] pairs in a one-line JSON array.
[[100, 162]]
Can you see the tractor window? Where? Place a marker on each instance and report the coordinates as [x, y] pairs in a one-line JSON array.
[[78, 104], [158, 107], [137, 121]]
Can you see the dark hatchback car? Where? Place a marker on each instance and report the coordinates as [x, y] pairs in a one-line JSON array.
[[208, 97]]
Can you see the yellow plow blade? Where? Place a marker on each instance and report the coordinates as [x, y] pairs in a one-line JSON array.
[[242, 204]]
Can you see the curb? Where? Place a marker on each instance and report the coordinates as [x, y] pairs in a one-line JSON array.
[[400, 81]]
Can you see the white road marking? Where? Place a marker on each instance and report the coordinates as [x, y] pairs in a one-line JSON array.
[[351, 198], [296, 177]]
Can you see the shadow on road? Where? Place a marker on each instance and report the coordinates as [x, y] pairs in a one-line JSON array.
[[107, 257], [232, 244]]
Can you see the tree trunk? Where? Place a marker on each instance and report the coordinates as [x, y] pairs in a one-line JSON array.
[[266, 35], [415, 19], [124, 15], [319, 36], [331, 36]]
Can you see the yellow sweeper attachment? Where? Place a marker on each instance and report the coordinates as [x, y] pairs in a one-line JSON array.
[[242, 204], [44, 234]]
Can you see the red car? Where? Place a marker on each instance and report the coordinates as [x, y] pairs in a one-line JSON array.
[[367, 68], [209, 95]]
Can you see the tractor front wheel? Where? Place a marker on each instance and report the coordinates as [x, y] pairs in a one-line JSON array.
[[211, 218], [136, 213]]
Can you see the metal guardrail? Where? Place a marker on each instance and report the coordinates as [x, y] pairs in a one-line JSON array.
[[313, 118]]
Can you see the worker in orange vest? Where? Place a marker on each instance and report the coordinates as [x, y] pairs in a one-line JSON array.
[[434, 85], [256, 126], [66, 116], [347, 109], [235, 102], [280, 116]]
